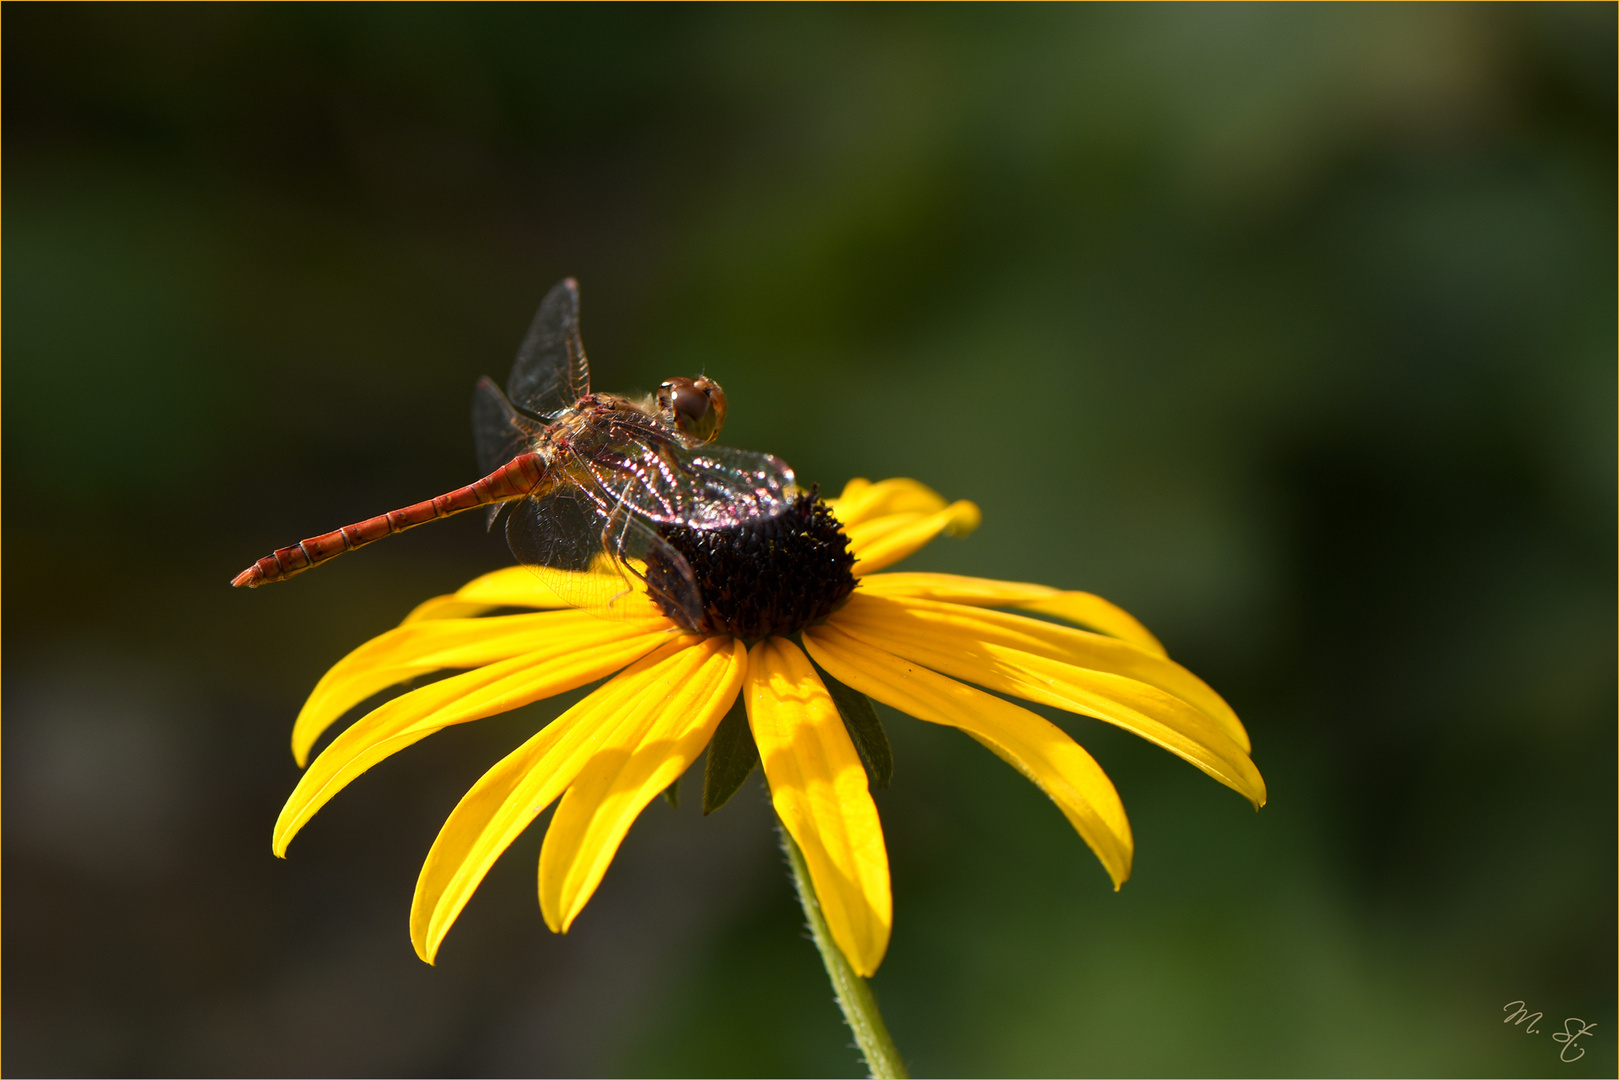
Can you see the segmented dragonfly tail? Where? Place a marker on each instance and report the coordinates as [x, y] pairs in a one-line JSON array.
[[513, 480]]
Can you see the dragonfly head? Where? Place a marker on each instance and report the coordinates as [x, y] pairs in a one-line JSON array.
[[695, 406]]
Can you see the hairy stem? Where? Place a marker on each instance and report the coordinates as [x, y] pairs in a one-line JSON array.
[[853, 994]]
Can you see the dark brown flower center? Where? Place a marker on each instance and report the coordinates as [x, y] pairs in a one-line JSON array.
[[770, 576]]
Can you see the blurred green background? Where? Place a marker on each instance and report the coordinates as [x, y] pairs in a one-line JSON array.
[[1290, 329]]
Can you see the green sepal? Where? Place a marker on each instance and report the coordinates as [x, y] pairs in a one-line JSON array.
[[732, 754], [866, 731], [672, 793]]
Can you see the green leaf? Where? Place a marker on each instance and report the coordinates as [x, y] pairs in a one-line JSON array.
[[731, 757], [870, 740], [672, 793]]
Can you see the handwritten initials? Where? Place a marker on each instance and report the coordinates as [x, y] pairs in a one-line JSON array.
[[1568, 1035], [1521, 1015]]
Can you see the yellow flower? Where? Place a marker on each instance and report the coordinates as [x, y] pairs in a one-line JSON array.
[[921, 643]]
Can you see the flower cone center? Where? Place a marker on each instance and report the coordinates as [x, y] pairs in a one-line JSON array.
[[770, 576]]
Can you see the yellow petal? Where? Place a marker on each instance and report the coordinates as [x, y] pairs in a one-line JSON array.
[[920, 618], [818, 786], [674, 718], [472, 695], [1031, 744], [447, 607], [509, 796], [884, 541], [421, 647], [1086, 609], [521, 586], [861, 500], [981, 647], [512, 586], [851, 489]]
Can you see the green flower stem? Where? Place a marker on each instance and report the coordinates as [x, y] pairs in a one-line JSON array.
[[853, 994]]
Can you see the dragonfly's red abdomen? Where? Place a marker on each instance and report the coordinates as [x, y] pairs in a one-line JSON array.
[[513, 480]]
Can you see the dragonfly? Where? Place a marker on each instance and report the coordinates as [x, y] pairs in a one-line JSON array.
[[588, 485]]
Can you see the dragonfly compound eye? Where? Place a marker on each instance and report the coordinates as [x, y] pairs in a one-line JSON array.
[[695, 406]]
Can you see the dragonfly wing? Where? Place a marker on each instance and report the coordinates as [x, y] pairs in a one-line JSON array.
[[629, 534], [551, 371], [730, 486], [499, 432], [635, 546], [559, 536], [702, 487], [598, 558]]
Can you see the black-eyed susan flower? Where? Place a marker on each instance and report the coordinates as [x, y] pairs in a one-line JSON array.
[[799, 625]]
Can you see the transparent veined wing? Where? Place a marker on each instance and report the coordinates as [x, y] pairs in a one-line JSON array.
[[551, 371], [595, 553], [662, 479], [728, 486], [499, 432]]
